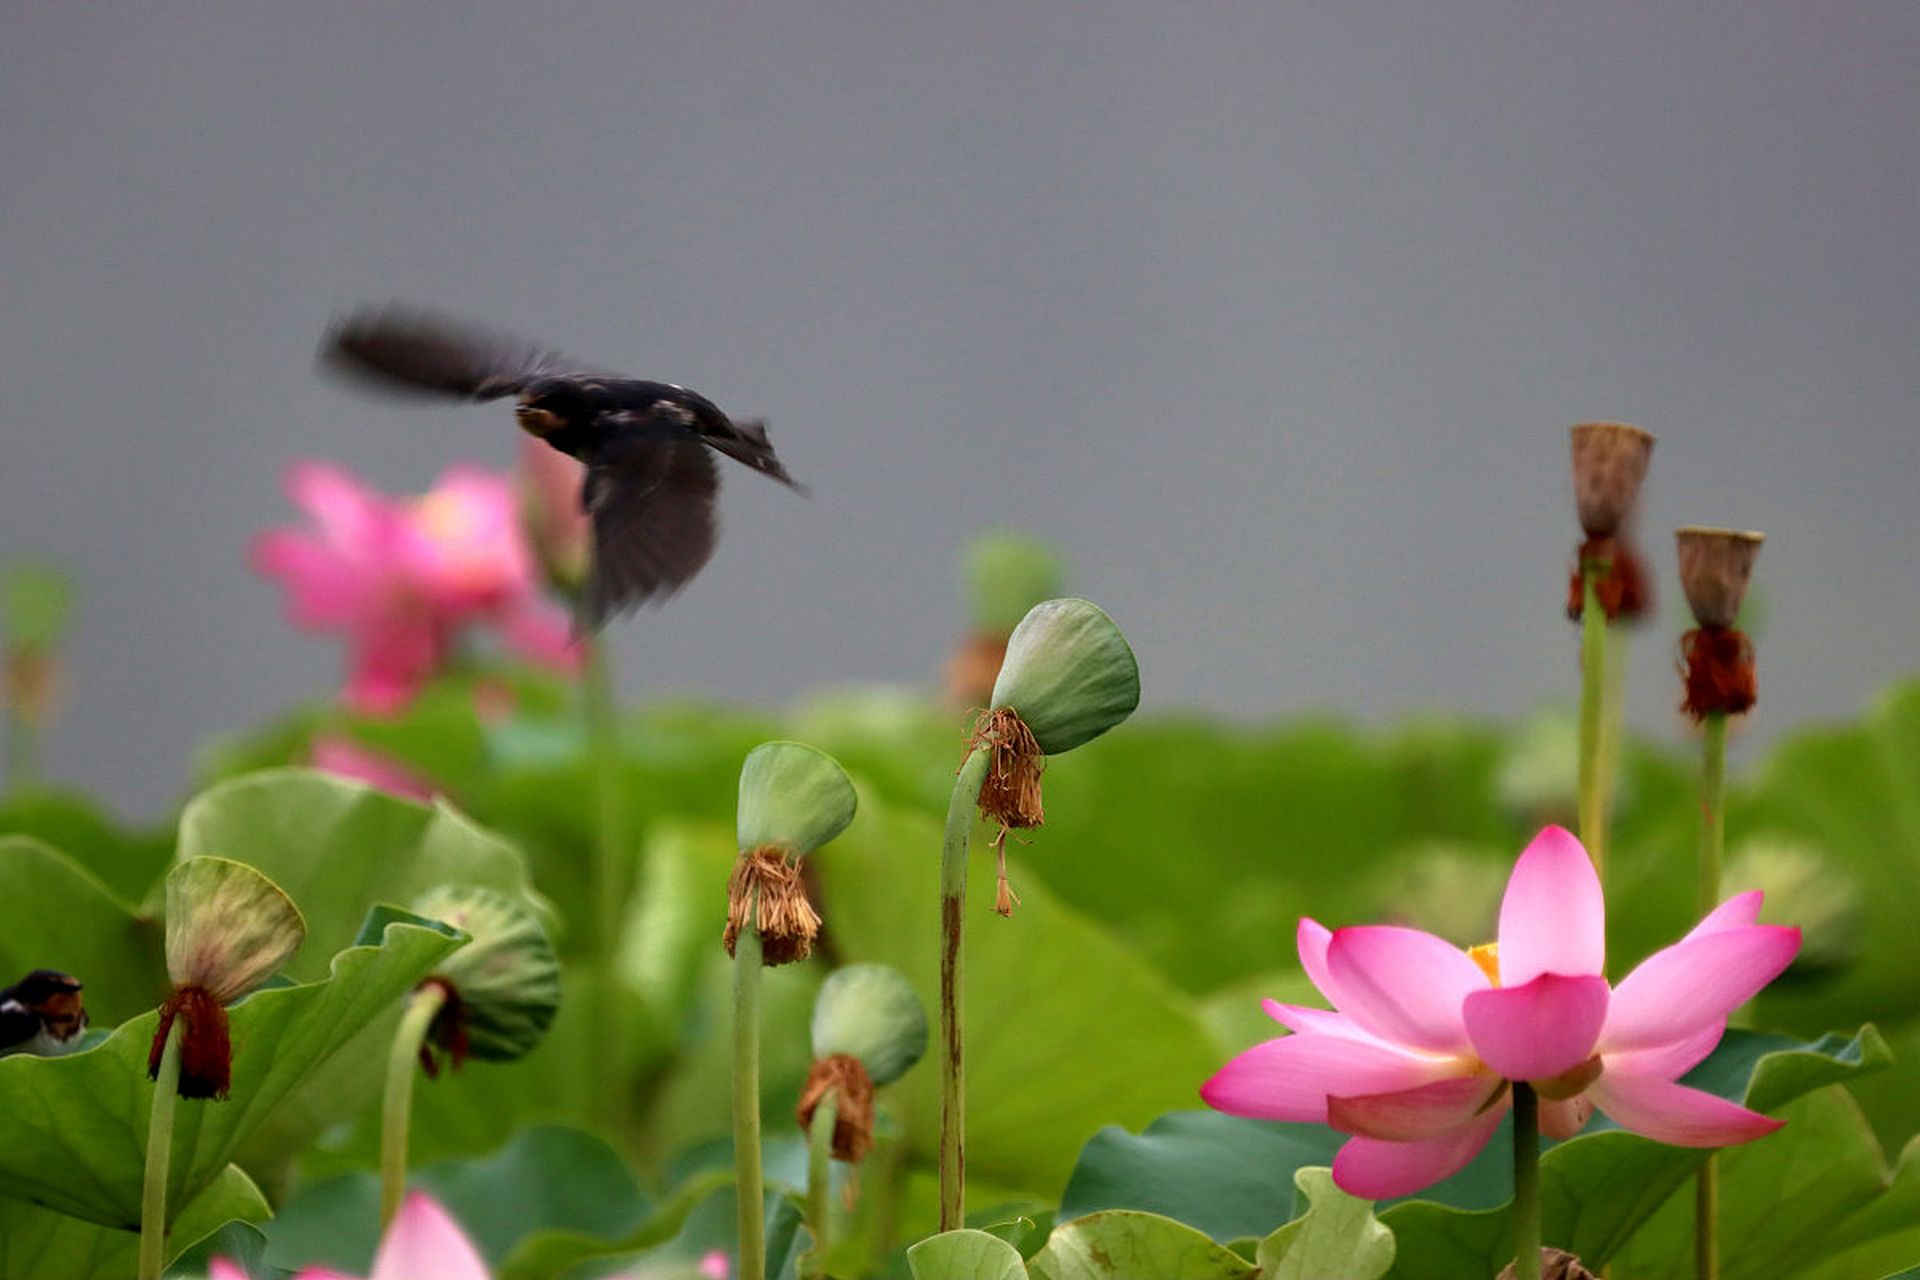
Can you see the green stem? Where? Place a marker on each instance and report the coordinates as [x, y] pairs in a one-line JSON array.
[[608, 886], [1713, 835], [22, 752], [397, 1109], [746, 1103], [820, 1180], [1526, 1183], [1593, 683], [953, 896], [153, 1192]]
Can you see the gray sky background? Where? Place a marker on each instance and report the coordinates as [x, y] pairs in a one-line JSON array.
[[1273, 315]]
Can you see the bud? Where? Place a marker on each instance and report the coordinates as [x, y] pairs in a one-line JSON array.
[[1715, 567], [1609, 463], [793, 799], [228, 929], [869, 1012], [502, 987]]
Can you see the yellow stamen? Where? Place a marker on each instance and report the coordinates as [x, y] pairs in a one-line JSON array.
[[1487, 956]]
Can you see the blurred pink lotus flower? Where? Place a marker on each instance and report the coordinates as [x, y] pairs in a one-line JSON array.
[[557, 526], [342, 756], [424, 1243], [403, 577], [1415, 1060], [221, 1269], [714, 1265]]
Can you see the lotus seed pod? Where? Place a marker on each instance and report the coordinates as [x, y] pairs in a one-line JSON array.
[[1609, 462], [869, 1012], [228, 927], [1069, 674], [36, 606], [793, 797], [1715, 567], [505, 982], [1007, 573]]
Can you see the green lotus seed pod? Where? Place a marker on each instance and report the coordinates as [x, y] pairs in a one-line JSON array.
[[1007, 573], [1068, 673], [506, 981], [36, 604], [228, 927], [869, 1011], [792, 796]]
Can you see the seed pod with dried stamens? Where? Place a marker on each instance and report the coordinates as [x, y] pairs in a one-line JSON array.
[[502, 987], [1609, 463], [228, 929], [1717, 657], [793, 799]]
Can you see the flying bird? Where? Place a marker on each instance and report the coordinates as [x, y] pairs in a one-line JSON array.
[[42, 1014], [650, 481]]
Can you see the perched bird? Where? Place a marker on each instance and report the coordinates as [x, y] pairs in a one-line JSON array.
[[650, 482], [41, 1014]]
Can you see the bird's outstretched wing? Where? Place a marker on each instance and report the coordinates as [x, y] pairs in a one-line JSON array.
[[651, 498], [406, 350], [746, 441]]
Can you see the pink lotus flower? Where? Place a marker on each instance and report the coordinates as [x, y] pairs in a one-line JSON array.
[[402, 578], [1416, 1059], [423, 1243]]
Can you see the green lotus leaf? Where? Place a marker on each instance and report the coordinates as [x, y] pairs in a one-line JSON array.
[[1337, 1236], [337, 847], [39, 1244], [77, 1129], [869, 1011], [506, 977], [127, 860], [1007, 573], [1122, 1243], [1069, 673], [794, 796], [229, 928], [60, 917], [965, 1255]]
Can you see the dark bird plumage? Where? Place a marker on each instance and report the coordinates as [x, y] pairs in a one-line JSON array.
[[42, 1014], [650, 482]]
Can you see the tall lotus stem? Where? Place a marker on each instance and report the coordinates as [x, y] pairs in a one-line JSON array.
[[746, 1105], [820, 1180], [1526, 1182], [611, 848], [953, 899], [1593, 684], [153, 1191], [397, 1108]]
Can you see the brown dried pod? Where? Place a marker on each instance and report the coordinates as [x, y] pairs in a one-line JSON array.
[[1715, 567], [1609, 462]]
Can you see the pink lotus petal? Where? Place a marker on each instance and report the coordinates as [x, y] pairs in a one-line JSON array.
[[1324, 1022], [1414, 1115], [1677, 992], [1669, 1061], [424, 1243], [714, 1264], [223, 1269], [345, 758], [1540, 1030], [1404, 985], [346, 510], [1377, 1170], [1740, 909], [317, 1273], [1674, 1114], [324, 589], [1566, 1117], [1312, 939], [541, 633], [1553, 918], [1290, 1078]]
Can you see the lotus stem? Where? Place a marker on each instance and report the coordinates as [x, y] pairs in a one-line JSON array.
[[1593, 684], [611, 848], [1526, 1182], [746, 1104], [820, 1180], [397, 1109], [1713, 834], [953, 899], [153, 1192]]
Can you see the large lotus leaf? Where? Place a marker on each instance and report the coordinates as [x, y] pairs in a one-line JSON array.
[[338, 847], [965, 1255], [60, 917], [1812, 1194], [1067, 1028], [1596, 1188], [77, 1126], [126, 861], [38, 1244], [1852, 795], [1120, 1244]]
